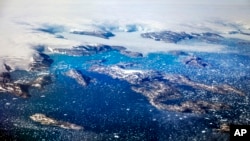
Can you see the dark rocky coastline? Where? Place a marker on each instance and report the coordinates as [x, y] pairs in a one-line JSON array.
[[79, 77], [40, 62], [44, 120], [175, 37], [167, 36], [87, 50], [159, 88], [21, 88], [197, 107]]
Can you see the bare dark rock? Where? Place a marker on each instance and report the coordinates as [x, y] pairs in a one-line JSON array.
[[225, 128], [79, 77], [8, 86], [100, 34], [195, 61], [86, 50], [221, 89], [175, 37], [21, 87], [167, 36], [198, 107], [7, 67], [157, 91], [5, 77], [131, 76], [208, 37], [41, 81], [131, 54], [44, 120], [20, 90], [40, 62]]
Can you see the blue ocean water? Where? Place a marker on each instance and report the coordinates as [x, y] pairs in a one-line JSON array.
[[109, 110]]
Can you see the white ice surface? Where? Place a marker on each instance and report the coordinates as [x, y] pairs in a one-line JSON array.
[[19, 18]]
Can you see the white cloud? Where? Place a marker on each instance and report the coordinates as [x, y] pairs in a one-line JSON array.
[[19, 18]]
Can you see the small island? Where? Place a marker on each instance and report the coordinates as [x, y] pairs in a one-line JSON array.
[[44, 120]]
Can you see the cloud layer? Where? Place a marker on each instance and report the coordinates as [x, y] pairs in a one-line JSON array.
[[24, 23]]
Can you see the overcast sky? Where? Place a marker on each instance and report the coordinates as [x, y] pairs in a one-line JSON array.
[[118, 8]]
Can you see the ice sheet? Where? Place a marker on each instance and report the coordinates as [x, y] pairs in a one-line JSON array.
[[20, 18]]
